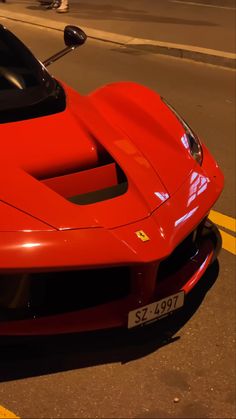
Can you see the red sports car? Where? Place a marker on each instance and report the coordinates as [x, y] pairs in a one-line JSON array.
[[104, 201]]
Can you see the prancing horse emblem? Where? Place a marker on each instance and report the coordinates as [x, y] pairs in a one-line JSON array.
[[142, 236]]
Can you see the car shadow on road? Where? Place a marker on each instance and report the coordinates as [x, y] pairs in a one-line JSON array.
[[22, 358]]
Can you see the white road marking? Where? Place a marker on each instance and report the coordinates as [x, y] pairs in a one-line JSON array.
[[191, 3]]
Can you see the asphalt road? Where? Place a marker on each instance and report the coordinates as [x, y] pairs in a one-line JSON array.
[[203, 23], [183, 367]]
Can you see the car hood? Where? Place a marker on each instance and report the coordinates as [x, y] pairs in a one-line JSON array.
[[76, 140]]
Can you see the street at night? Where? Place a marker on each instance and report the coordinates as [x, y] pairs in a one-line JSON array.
[[183, 366]]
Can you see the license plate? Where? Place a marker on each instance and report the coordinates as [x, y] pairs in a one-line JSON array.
[[155, 310]]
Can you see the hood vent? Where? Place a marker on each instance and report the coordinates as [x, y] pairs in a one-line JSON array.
[[90, 186]]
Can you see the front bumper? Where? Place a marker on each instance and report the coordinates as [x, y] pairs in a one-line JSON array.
[[141, 284]]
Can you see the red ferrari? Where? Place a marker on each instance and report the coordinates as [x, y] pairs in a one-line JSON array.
[[104, 201]]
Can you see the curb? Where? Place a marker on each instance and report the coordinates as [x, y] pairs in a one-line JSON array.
[[204, 55]]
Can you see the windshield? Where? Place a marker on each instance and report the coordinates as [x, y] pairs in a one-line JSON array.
[[26, 88]]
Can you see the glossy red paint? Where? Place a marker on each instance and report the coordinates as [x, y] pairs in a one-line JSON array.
[[49, 160]]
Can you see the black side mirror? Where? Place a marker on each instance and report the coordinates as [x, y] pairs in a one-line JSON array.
[[74, 36]]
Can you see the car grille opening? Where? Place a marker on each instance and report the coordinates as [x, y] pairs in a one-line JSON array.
[[186, 250], [48, 293]]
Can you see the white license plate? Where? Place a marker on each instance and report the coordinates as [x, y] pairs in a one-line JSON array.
[[155, 310]]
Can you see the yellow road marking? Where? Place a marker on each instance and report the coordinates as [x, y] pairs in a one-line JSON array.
[[223, 220], [228, 242], [6, 414]]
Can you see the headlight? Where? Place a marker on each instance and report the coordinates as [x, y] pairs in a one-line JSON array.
[[194, 144]]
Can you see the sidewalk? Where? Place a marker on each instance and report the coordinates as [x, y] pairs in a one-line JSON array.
[[204, 32]]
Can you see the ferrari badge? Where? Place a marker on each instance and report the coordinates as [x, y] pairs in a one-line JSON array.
[[142, 236]]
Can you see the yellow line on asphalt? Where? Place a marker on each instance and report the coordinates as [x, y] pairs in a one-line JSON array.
[[6, 414], [223, 220], [228, 242]]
